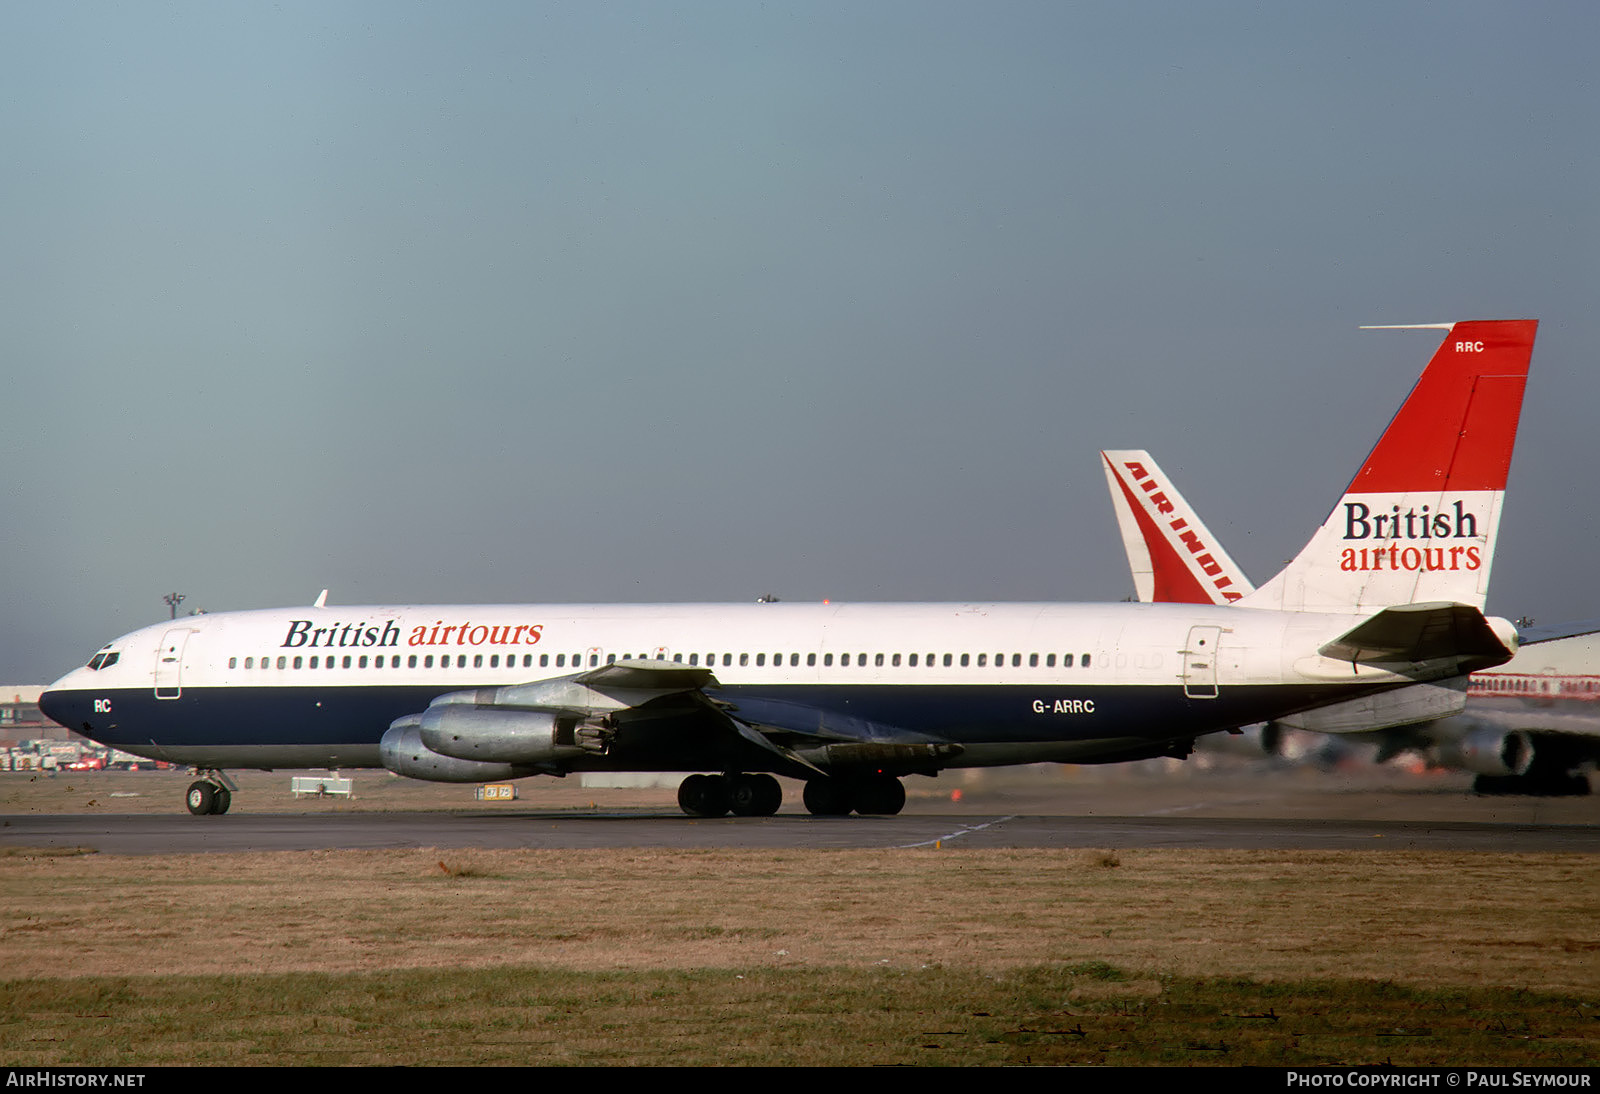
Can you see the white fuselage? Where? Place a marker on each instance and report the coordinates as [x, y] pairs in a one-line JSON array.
[[1003, 683]]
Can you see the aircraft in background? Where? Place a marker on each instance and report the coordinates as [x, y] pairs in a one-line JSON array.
[[1529, 726], [848, 697]]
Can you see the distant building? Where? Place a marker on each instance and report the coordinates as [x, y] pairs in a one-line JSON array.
[[21, 719]]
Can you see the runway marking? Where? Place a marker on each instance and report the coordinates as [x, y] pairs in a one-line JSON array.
[[1175, 809], [966, 830]]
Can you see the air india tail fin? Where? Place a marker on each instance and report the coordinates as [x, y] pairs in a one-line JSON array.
[[1418, 522], [1173, 555]]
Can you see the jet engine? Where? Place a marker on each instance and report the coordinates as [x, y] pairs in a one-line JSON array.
[[1488, 752], [493, 735], [401, 750]]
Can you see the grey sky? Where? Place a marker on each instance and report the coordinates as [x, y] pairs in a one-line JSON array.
[[531, 302]]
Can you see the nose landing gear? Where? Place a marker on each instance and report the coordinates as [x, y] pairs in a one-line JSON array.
[[209, 794]]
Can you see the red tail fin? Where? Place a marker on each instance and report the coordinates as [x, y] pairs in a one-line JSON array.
[[1419, 520], [1457, 428]]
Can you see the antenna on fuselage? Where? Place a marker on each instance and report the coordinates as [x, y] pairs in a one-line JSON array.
[[322, 599], [1409, 326]]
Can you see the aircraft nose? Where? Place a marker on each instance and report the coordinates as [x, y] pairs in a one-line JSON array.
[[60, 706]]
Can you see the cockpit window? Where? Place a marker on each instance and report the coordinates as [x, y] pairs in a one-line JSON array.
[[103, 660]]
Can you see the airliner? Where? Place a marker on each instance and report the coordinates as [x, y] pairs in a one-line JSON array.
[[1526, 727], [850, 698]]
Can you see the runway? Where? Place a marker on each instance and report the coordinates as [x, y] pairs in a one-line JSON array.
[[1228, 806], [140, 834]]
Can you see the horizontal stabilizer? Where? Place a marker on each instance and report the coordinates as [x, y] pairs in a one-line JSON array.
[[1415, 634]]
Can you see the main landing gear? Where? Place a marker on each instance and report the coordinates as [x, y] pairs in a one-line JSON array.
[[746, 795], [868, 795], [209, 794], [743, 795]]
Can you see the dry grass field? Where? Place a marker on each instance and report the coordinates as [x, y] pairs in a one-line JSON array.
[[922, 956], [796, 956]]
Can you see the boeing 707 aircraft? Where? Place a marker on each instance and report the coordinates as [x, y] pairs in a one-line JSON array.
[[848, 697]]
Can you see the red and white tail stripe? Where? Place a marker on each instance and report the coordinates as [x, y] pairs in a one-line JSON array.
[[1173, 555], [1418, 522]]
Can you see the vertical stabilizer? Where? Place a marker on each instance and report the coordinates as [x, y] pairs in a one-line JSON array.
[[1418, 522], [1173, 555]]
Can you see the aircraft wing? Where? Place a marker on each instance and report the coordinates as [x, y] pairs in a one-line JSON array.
[[654, 706]]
